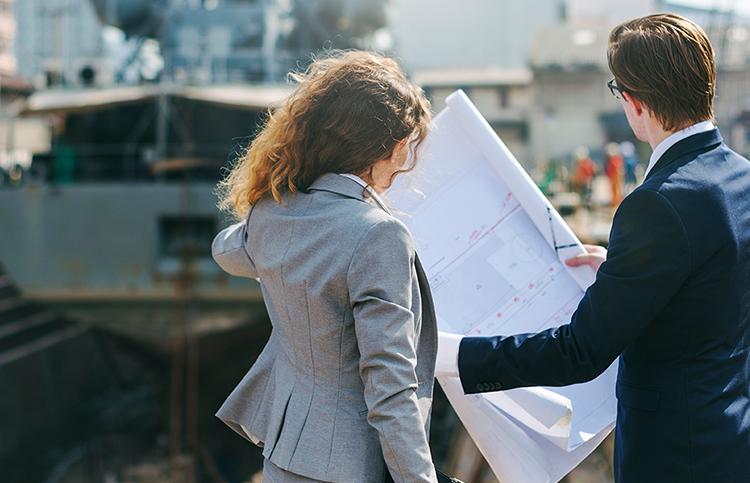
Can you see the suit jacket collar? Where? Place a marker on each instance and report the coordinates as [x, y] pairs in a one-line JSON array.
[[696, 142], [341, 185]]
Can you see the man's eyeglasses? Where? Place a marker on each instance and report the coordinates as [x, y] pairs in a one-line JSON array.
[[612, 84]]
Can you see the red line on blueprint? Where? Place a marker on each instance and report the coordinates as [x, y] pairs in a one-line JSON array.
[[475, 235], [488, 232]]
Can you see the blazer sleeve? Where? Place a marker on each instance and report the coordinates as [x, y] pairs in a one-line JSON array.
[[647, 262], [228, 249], [380, 279]]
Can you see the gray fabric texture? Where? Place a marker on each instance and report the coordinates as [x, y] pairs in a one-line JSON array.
[[343, 389]]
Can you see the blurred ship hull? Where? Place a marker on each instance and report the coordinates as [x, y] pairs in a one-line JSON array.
[[108, 255], [114, 225]]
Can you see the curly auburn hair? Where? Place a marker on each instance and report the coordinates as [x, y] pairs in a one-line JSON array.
[[349, 111]]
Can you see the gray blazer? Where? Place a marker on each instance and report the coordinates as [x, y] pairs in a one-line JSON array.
[[344, 386]]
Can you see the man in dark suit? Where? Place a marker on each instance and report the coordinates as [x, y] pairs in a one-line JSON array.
[[672, 298]]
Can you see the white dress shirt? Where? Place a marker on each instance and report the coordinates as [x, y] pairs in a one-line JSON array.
[[369, 190], [674, 138], [447, 355]]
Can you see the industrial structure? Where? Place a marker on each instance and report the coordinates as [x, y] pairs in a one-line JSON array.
[[106, 224], [110, 149]]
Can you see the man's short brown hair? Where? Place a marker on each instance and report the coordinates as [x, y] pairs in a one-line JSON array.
[[666, 62]]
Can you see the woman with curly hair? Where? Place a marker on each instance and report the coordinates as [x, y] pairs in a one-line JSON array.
[[342, 391]]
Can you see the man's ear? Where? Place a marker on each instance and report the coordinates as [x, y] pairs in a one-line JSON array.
[[633, 102]]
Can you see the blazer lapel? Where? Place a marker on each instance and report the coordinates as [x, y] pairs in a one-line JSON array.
[[428, 306], [704, 140], [428, 337], [341, 185]]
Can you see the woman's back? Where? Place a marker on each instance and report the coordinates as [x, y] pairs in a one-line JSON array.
[[303, 250], [344, 385], [352, 360]]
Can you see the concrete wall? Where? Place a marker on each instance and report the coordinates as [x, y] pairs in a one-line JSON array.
[[732, 94], [103, 239], [443, 33], [8, 64], [60, 35], [504, 107], [566, 111]]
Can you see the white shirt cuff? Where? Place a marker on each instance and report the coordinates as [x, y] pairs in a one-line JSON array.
[[447, 355]]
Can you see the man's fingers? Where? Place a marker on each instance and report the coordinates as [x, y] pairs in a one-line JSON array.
[[595, 257], [581, 260]]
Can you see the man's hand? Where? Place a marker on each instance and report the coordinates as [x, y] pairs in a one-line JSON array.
[[595, 257]]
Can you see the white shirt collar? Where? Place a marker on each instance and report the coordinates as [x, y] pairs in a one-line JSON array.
[[674, 139], [369, 190]]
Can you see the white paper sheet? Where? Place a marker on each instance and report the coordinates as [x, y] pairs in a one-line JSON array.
[[494, 250]]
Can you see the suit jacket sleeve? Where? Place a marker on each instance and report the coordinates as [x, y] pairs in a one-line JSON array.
[[647, 262], [228, 249], [380, 280]]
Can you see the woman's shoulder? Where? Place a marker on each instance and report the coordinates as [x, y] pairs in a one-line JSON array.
[[342, 219], [363, 220]]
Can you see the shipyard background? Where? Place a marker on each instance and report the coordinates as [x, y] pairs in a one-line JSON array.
[[119, 335]]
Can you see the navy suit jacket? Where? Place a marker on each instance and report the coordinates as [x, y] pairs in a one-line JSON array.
[[673, 302]]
